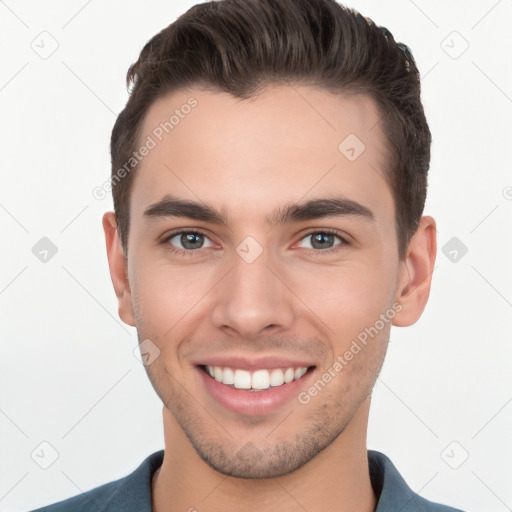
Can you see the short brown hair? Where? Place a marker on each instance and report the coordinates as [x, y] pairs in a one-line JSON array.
[[240, 46]]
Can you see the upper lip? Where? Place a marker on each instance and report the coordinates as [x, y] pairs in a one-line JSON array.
[[252, 363]]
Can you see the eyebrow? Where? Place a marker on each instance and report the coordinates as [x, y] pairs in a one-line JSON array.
[[171, 206]]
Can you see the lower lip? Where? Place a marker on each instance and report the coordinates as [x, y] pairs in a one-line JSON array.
[[253, 403]]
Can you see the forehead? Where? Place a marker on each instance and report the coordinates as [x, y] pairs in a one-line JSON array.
[[280, 146]]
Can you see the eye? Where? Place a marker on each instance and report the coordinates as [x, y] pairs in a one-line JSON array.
[[187, 241], [323, 240]]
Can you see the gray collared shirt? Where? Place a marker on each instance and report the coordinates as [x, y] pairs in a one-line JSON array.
[[132, 493]]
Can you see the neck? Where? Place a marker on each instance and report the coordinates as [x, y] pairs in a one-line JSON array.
[[337, 478]]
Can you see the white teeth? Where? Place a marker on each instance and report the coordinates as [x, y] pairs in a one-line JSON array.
[[242, 379], [260, 379], [228, 376], [276, 377], [289, 375]]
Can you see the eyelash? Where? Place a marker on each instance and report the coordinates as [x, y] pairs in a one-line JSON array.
[[192, 252]]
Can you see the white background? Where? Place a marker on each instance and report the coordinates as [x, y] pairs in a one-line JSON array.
[[68, 375]]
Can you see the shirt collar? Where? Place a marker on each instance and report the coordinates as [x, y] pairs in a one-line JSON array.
[[392, 492]]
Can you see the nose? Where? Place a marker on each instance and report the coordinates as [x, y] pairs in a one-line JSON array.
[[253, 299]]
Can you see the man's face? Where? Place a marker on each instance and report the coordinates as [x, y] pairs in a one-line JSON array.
[[260, 292]]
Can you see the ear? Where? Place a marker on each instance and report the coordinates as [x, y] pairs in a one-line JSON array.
[[117, 265], [415, 273]]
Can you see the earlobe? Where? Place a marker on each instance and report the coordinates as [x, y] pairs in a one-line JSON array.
[[117, 266], [416, 273]]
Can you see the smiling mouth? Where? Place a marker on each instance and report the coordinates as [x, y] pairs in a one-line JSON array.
[[258, 380]]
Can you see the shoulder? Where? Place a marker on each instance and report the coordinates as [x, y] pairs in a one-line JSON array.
[[96, 499], [392, 491], [132, 492]]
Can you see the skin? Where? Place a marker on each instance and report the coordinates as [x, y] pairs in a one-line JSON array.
[[246, 159]]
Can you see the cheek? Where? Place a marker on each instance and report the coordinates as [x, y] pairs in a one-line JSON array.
[[166, 297], [348, 298]]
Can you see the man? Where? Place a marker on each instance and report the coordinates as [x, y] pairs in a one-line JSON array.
[[269, 174]]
